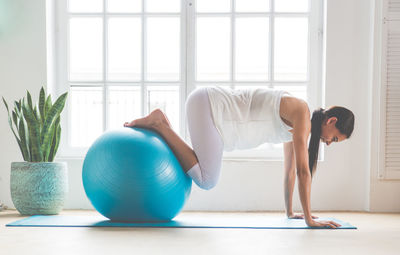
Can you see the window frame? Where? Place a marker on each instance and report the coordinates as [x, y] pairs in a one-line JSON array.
[[187, 83]]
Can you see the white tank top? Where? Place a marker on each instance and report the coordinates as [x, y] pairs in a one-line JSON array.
[[248, 118]]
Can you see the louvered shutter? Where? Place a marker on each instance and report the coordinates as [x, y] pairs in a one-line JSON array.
[[390, 126]]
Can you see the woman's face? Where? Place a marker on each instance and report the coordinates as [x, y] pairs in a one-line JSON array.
[[330, 133]]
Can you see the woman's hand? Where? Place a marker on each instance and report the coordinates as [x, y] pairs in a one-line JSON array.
[[330, 224], [299, 216]]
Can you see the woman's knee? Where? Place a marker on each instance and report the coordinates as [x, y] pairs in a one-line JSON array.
[[202, 179], [196, 99], [208, 184]]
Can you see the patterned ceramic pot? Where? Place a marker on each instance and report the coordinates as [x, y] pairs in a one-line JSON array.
[[39, 188]]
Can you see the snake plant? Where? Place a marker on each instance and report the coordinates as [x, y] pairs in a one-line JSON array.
[[38, 127]]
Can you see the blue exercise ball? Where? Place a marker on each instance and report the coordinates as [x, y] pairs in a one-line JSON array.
[[131, 175]]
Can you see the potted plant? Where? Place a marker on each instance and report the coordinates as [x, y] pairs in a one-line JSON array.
[[38, 185]]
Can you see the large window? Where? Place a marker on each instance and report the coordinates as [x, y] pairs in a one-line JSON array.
[[120, 59]]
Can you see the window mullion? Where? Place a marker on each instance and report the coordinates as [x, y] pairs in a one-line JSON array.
[[144, 48], [190, 45], [191, 21], [271, 43], [233, 43], [183, 67], [105, 64]]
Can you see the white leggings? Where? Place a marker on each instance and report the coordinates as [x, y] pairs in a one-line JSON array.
[[205, 138]]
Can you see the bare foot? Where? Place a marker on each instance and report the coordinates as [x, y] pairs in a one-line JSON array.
[[166, 118], [154, 120]]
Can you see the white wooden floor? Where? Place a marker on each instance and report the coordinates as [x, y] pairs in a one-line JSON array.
[[376, 234]]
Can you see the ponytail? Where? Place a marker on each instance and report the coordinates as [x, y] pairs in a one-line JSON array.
[[316, 128], [345, 125]]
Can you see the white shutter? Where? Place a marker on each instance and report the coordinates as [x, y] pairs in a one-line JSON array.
[[390, 125]]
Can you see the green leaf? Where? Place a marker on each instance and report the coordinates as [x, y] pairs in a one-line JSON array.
[[42, 101], [16, 109], [53, 113], [56, 130], [9, 119], [47, 106], [34, 134], [24, 142], [18, 105], [5, 104], [28, 96], [58, 135], [11, 126], [15, 119], [37, 115], [58, 139], [27, 132]]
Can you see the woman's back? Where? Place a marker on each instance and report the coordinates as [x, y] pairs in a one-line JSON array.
[[248, 118]]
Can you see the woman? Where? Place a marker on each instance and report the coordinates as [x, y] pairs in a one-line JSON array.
[[225, 119]]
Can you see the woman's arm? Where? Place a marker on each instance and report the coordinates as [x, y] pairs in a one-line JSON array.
[[303, 173], [290, 177], [289, 180], [301, 131]]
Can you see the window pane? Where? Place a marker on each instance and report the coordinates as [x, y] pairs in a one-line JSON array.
[[163, 6], [291, 5], [213, 49], [251, 50], [213, 84], [86, 49], [86, 115], [163, 45], [298, 91], [167, 99], [85, 6], [252, 5], [244, 87], [124, 104], [124, 5], [124, 48], [291, 49], [213, 5]]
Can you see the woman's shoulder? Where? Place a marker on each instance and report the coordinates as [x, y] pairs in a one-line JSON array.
[[295, 103], [294, 109]]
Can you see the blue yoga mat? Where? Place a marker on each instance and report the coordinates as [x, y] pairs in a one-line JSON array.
[[186, 221]]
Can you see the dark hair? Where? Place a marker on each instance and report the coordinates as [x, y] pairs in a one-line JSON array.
[[345, 124]]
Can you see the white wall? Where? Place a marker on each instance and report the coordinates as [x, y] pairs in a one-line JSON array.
[[342, 181], [385, 194], [22, 67]]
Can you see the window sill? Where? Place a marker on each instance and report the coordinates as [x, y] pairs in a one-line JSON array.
[[224, 159]]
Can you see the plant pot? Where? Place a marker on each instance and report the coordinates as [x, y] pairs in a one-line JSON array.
[[39, 188]]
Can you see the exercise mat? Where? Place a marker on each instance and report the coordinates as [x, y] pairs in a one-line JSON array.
[[186, 221]]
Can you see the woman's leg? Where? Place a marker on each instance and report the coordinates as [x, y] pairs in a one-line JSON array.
[[203, 162], [158, 122], [206, 140]]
